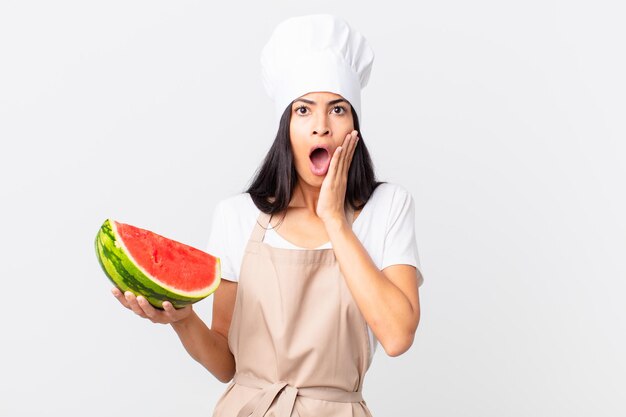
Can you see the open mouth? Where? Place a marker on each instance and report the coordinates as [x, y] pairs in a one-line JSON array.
[[320, 160]]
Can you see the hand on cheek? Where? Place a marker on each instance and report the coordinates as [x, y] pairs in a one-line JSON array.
[[330, 206]]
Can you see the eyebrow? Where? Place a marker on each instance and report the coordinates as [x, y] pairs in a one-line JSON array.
[[339, 100]]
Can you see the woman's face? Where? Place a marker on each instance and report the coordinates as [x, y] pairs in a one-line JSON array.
[[319, 120]]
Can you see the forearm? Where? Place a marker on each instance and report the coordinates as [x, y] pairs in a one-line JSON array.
[[386, 309], [206, 346]]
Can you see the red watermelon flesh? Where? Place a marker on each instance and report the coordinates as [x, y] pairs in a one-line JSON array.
[[178, 266]]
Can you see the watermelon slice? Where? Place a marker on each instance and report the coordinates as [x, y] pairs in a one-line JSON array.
[[154, 266]]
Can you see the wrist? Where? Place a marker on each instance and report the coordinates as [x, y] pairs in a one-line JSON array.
[[335, 224], [183, 322]]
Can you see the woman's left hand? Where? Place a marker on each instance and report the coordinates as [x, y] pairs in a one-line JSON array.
[[330, 205]]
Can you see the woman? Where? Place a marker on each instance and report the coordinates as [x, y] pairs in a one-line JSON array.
[[319, 261]]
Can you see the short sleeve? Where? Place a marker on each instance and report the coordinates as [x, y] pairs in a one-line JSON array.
[[400, 245], [219, 243]]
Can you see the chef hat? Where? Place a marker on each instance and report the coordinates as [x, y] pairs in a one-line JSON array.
[[318, 52]]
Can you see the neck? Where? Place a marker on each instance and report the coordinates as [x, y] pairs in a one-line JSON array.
[[305, 195]]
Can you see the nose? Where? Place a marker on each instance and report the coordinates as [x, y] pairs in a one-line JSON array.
[[321, 125]]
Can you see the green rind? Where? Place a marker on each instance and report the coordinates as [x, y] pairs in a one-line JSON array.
[[119, 268]]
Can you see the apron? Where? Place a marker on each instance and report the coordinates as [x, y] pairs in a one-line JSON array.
[[300, 343]]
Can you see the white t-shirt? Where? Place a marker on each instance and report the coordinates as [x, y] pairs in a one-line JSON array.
[[385, 226]]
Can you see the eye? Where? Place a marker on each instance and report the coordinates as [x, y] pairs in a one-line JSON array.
[[297, 109], [343, 109]]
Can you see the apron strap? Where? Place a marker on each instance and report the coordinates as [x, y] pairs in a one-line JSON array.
[[260, 227], [263, 221]]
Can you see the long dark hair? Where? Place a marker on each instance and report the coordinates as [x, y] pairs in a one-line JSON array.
[[273, 184]]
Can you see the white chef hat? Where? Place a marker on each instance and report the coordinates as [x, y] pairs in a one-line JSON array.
[[319, 52]]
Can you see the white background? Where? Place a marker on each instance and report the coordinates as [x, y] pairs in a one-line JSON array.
[[505, 120]]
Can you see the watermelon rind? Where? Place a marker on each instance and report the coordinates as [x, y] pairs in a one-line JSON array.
[[120, 267]]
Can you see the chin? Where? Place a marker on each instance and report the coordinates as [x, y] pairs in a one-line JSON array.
[[312, 180]]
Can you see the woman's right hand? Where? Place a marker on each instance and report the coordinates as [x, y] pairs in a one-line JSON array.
[[140, 306]]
